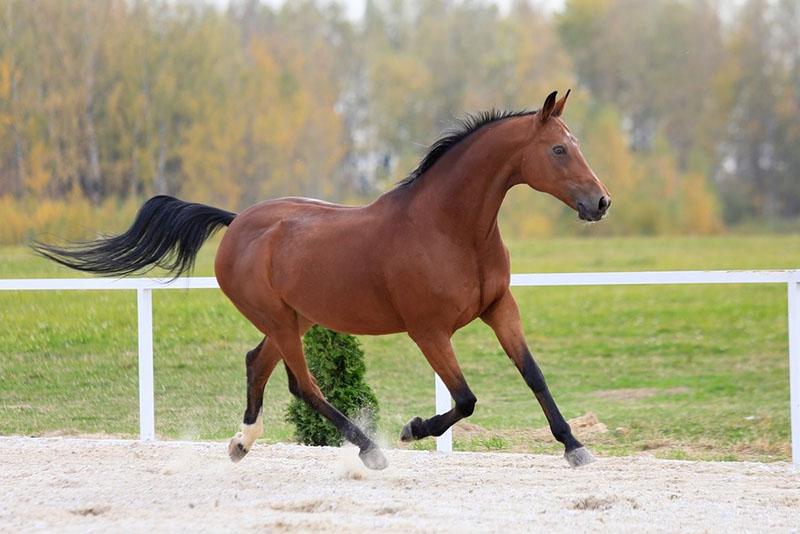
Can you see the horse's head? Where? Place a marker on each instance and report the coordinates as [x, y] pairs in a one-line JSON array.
[[553, 163]]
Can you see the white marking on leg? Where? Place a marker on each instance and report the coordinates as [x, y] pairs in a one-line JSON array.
[[250, 433]]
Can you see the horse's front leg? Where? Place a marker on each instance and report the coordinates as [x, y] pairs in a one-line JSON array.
[[440, 355], [503, 318]]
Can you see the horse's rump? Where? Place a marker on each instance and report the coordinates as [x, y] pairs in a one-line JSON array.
[[323, 260]]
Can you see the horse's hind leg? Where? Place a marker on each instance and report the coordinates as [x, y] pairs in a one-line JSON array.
[[292, 349], [294, 389], [440, 355], [260, 363]]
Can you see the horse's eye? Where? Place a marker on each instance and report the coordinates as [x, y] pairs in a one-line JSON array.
[[559, 150]]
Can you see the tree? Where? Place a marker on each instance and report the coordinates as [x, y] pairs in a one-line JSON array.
[[337, 363], [758, 172], [655, 61]]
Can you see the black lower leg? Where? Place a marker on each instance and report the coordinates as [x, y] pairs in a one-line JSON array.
[[255, 384], [535, 379], [369, 453], [294, 389], [437, 425], [350, 431]]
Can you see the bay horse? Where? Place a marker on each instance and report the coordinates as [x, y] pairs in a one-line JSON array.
[[425, 258]]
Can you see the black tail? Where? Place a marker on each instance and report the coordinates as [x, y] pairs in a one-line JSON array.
[[167, 233]]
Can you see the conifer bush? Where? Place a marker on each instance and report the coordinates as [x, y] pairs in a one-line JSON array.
[[337, 363]]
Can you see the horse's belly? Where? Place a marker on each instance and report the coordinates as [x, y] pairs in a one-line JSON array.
[[340, 290], [343, 309]]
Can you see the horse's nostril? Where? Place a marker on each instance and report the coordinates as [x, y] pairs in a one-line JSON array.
[[604, 204]]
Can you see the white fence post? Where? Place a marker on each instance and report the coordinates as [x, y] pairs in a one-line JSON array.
[[147, 408], [444, 443], [794, 365]]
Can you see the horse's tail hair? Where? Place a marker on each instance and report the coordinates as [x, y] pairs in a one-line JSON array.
[[166, 233]]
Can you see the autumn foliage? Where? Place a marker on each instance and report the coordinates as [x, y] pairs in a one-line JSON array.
[[688, 114]]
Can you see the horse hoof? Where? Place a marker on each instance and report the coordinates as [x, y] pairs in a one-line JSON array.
[[407, 434], [236, 448], [374, 459], [579, 457]]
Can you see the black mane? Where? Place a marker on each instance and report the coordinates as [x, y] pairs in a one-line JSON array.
[[464, 128]]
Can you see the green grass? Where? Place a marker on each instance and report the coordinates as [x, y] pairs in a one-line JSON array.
[[702, 369]]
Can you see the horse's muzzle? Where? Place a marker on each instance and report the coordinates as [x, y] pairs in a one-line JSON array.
[[593, 211]]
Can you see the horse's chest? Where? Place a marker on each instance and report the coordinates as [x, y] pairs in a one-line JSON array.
[[493, 285], [450, 287], [489, 283]]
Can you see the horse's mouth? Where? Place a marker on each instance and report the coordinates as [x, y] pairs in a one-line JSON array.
[[587, 215]]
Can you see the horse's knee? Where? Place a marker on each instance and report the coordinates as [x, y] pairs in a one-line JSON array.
[[466, 404]]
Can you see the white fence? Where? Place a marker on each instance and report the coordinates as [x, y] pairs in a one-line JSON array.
[[145, 286]]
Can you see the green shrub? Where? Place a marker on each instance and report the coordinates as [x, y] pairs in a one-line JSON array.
[[337, 363]]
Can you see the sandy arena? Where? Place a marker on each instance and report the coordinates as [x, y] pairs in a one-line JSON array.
[[87, 485]]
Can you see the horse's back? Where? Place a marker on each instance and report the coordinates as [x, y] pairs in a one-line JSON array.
[[322, 259]]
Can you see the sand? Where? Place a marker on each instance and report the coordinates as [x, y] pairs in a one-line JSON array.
[[92, 485]]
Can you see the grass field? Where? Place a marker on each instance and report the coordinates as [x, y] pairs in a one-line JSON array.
[[680, 371]]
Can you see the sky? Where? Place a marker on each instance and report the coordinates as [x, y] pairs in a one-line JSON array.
[[355, 8]]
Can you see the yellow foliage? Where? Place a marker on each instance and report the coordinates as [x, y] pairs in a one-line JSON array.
[[38, 177], [700, 208], [6, 120], [15, 221], [529, 214], [232, 107], [73, 218]]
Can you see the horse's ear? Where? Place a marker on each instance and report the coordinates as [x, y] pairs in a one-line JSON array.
[[559, 107], [548, 107]]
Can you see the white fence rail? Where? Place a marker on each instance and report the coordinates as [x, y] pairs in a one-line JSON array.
[[145, 286]]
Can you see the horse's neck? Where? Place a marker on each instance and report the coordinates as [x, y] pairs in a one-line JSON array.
[[463, 192]]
